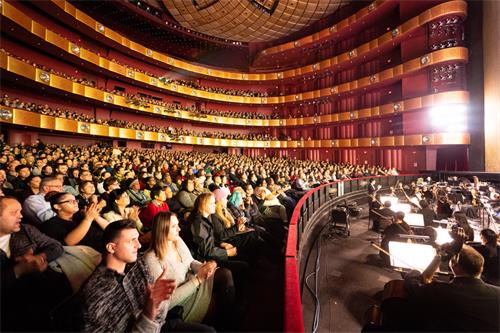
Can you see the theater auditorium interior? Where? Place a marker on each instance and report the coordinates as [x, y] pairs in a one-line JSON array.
[[249, 166]]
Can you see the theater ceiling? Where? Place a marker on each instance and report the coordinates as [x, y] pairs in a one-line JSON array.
[[249, 20]]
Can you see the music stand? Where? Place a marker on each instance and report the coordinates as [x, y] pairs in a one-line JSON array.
[[401, 207], [414, 220], [410, 256]]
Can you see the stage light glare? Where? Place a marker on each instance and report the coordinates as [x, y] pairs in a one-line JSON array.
[[449, 117]]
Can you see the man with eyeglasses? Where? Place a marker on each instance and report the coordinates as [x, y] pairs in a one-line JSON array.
[[36, 209]]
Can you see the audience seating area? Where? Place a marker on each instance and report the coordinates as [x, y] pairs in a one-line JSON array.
[[72, 184]]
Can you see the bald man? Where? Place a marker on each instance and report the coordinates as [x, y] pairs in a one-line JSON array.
[[464, 304]]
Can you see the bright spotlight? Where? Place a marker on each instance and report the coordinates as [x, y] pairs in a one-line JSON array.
[[449, 118]]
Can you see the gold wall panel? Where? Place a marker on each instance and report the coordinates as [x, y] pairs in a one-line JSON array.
[[37, 29], [387, 141], [344, 143], [94, 93], [363, 113], [151, 136], [113, 35], [21, 68], [61, 83], [100, 130], [115, 132], [56, 39], [127, 133], [26, 118], [412, 104], [451, 138], [47, 122], [117, 68], [78, 89], [66, 125], [81, 16], [413, 140], [14, 14], [89, 56]]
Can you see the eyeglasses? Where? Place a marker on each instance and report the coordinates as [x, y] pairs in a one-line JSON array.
[[72, 201]]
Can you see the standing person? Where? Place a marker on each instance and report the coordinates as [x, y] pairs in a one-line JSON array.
[[196, 282], [120, 296]]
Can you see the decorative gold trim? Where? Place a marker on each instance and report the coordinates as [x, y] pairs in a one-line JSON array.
[[457, 7], [36, 120], [455, 97]]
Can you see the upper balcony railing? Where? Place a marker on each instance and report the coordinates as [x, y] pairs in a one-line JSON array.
[[44, 122], [19, 67], [457, 8]]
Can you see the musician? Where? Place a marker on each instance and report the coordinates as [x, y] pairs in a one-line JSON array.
[[382, 216], [464, 304], [428, 213], [392, 232], [490, 250], [372, 189], [443, 208]]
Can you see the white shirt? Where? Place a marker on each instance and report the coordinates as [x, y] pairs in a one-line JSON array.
[[36, 209], [4, 244]]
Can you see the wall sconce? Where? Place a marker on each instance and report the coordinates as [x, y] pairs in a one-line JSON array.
[[85, 128], [5, 114], [100, 28], [109, 98], [44, 76], [75, 49], [424, 60]]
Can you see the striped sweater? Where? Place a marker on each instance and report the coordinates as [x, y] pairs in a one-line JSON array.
[[113, 302]]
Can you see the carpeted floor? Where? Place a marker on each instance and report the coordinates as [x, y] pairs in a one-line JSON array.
[[350, 276]]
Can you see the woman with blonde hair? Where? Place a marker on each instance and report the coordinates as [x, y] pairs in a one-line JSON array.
[[204, 291]]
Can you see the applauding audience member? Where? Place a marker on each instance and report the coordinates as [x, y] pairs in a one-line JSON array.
[[70, 227], [196, 281], [29, 288], [121, 295]]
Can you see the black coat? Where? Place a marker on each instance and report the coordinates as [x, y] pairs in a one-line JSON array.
[[202, 239], [465, 304]]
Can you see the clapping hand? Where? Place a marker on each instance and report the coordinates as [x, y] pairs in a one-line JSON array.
[[206, 270], [158, 292]]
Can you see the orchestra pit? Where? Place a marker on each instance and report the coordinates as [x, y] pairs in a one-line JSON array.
[[249, 166]]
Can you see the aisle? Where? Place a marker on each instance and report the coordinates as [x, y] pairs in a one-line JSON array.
[[350, 277]]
